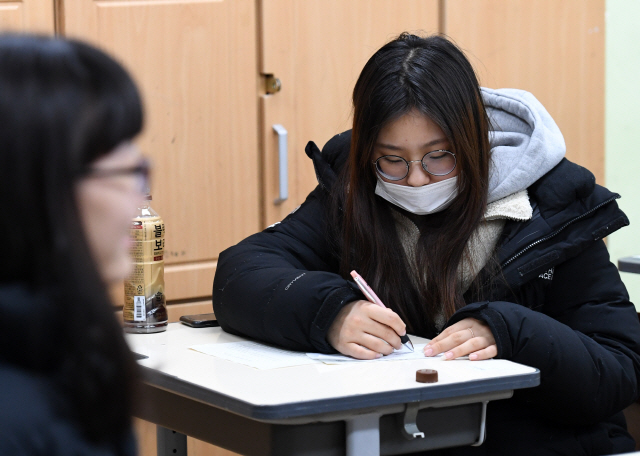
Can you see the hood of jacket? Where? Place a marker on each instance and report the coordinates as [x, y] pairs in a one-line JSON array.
[[570, 211], [525, 144], [525, 141]]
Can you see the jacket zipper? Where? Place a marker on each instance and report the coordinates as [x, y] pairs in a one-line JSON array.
[[549, 236]]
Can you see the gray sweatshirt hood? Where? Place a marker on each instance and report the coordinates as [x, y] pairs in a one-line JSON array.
[[525, 141]]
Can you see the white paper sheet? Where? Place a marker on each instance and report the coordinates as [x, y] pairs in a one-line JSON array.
[[397, 355], [262, 356], [254, 354]]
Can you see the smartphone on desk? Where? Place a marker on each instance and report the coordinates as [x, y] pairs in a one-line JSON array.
[[200, 320]]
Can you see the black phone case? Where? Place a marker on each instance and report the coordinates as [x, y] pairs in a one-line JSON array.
[[196, 321]]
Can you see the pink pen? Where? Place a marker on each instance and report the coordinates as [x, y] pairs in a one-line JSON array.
[[372, 297]]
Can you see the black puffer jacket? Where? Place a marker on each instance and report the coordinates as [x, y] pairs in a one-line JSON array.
[[563, 308], [34, 415]]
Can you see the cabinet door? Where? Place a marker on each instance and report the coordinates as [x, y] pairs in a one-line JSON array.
[[553, 49], [27, 16], [196, 64], [317, 49]]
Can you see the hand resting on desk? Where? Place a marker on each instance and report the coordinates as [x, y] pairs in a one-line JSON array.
[[466, 337], [365, 330]]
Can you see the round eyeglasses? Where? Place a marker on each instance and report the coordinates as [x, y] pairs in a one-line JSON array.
[[436, 163]]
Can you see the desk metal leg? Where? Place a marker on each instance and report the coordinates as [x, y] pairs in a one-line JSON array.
[[483, 424], [171, 443], [363, 435], [409, 427]]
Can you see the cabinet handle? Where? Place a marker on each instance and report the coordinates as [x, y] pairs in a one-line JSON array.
[[282, 164]]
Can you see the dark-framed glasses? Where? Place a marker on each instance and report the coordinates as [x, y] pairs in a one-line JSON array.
[[142, 172], [436, 162]]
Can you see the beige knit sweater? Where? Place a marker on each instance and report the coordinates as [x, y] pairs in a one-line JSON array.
[[481, 244]]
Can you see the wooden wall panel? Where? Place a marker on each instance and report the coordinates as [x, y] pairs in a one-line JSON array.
[[27, 16], [553, 49]]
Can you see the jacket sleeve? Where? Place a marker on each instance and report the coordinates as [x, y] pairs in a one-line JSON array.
[[280, 286], [585, 342]]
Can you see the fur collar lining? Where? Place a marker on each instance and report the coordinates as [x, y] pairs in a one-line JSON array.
[[514, 207]]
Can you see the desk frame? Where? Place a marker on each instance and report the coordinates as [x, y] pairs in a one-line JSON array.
[[364, 432], [629, 264], [381, 421], [180, 409]]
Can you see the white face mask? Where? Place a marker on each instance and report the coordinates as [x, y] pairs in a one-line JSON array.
[[427, 199]]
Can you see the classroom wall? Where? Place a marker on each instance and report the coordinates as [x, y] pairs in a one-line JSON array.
[[622, 127]]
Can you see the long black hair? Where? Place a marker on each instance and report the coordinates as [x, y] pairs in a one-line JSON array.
[[64, 104], [432, 76]]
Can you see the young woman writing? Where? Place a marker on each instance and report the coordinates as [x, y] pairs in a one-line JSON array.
[[456, 205]]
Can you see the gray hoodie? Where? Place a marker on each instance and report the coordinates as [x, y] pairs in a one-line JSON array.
[[525, 141]]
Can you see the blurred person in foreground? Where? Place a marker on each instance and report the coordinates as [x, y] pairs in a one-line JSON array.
[[70, 181]]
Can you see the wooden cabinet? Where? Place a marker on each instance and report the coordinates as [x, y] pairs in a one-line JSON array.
[[196, 65], [27, 15], [148, 446], [317, 48], [201, 66]]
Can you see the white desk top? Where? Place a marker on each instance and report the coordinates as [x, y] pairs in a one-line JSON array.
[[309, 389]]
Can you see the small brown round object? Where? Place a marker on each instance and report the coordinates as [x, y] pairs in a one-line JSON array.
[[426, 375]]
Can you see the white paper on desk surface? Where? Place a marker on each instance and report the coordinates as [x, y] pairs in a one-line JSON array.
[[254, 354], [397, 355]]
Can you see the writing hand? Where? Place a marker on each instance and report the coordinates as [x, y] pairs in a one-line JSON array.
[[466, 337], [365, 330]]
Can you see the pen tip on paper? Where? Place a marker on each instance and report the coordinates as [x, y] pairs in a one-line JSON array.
[[409, 345]]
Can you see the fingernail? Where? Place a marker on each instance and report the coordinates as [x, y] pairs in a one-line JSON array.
[[428, 351], [378, 355], [449, 355], [473, 356]]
